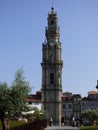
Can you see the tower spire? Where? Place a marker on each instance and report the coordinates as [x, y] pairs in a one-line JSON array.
[[52, 8], [52, 3]]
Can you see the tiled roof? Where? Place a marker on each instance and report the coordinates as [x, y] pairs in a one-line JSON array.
[[35, 97], [92, 92]]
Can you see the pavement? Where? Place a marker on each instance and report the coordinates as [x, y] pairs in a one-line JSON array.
[[61, 128]]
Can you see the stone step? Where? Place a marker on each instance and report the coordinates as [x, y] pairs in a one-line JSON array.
[[61, 128]]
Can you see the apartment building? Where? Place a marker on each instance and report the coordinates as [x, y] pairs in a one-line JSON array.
[[89, 102], [71, 106]]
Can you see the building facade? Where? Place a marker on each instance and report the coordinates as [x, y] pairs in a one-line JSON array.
[[52, 70], [67, 107], [71, 107], [90, 102], [34, 100]]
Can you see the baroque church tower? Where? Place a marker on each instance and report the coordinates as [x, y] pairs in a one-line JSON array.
[[52, 70]]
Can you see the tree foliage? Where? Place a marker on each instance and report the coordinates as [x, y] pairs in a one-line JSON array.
[[5, 99], [38, 114], [19, 91], [13, 98], [90, 115]]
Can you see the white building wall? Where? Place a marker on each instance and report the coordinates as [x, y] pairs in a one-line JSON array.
[[37, 105]]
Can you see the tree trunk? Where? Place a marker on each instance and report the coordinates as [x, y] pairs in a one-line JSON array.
[[5, 123]]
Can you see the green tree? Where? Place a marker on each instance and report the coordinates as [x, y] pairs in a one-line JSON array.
[[19, 92], [90, 115], [38, 114], [13, 98], [5, 104]]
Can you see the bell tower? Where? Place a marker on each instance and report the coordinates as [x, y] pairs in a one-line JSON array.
[[52, 70]]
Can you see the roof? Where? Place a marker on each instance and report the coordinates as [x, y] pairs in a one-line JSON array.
[[35, 97], [92, 93]]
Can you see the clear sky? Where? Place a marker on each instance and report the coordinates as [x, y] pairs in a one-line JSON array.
[[22, 32]]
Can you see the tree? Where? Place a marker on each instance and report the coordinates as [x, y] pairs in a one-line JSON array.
[[13, 98], [39, 114], [19, 91], [90, 115], [5, 104]]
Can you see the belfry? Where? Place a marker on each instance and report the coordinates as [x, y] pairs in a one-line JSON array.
[[52, 70]]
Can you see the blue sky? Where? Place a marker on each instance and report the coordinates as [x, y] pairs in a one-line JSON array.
[[22, 32]]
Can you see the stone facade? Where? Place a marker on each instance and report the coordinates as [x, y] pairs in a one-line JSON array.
[[52, 70]]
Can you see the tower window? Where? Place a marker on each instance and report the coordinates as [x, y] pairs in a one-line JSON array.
[[51, 78], [51, 57], [52, 22]]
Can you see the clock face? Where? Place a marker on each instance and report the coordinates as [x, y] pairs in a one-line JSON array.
[[52, 43]]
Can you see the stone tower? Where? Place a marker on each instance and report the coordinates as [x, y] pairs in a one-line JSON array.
[[52, 70]]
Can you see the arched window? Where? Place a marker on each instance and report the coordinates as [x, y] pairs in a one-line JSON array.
[[51, 78]]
